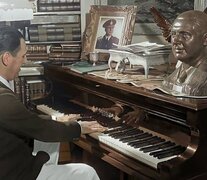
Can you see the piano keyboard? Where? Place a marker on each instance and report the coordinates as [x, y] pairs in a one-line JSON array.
[[141, 145], [49, 111], [133, 142]]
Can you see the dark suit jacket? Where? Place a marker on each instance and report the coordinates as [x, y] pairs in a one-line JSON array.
[[17, 125], [103, 43]]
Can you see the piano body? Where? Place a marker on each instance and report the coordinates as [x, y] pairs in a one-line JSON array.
[[180, 121]]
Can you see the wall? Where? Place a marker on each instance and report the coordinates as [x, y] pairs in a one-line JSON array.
[[85, 7], [145, 29]]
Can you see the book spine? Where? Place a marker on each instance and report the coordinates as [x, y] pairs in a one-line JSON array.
[[53, 8], [58, 5], [65, 50], [35, 89], [22, 88], [36, 49], [54, 30], [27, 94], [64, 55], [17, 87], [64, 59], [58, 1], [37, 52], [55, 37]]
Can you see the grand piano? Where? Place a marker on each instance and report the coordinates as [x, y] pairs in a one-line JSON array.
[[175, 128]]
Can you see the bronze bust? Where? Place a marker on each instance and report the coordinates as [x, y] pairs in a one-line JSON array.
[[189, 47]]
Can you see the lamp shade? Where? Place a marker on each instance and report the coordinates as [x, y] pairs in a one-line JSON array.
[[15, 10]]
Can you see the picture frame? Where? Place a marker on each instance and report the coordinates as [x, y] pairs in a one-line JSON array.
[[121, 17]]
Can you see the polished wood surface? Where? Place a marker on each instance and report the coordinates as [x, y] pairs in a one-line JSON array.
[[179, 119]]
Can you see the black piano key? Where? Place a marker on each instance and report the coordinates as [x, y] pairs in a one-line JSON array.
[[130, 138], [114, 130], [129, 135], [118, 131], [165, 151], [138, 142], [148, 142], [157, 146], [125, 129], [144, 136], [147, 139], [132, 133], [131, 130], [113, 123], [135, 137], [124, 133], [172, 153]]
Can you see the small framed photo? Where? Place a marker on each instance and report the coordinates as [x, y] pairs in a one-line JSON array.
[[108, 27]]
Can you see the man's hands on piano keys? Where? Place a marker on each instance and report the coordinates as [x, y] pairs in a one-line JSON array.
[[87, 127], [131, 117], [68, 118], [134, 117]]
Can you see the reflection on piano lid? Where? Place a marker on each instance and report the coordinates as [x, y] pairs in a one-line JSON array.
[[137, 143]]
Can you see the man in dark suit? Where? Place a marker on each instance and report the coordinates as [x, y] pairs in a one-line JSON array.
[[108, 40], [18, 125]]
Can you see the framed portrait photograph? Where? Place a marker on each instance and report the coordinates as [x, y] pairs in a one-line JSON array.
[[108, 27]]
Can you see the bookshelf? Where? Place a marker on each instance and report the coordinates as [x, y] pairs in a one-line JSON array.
[[30, 84], [54, 34]]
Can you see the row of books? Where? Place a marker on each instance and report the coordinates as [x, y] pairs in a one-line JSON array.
[[65, 48], [54, 57], [37, 52], [55, 52], [36, 48], [55, 33], [57, 48], [58, 5], [55, 37], [29, 89], [55, 29], [57, 1], [56, 19], [65, 52], [50, 7], [40, 57]]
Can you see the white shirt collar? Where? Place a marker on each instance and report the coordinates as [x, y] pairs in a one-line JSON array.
[[9, 84], [108, 37]]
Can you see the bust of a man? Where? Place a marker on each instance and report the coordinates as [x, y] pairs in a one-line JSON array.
[[189, 47]]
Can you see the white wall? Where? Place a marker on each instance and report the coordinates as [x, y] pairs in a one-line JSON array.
[[85, 7]]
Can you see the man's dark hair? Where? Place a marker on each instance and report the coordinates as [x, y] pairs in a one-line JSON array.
[[10, 40]]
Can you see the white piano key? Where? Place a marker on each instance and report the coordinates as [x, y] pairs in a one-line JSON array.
[[131, 151], [47, 110]]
